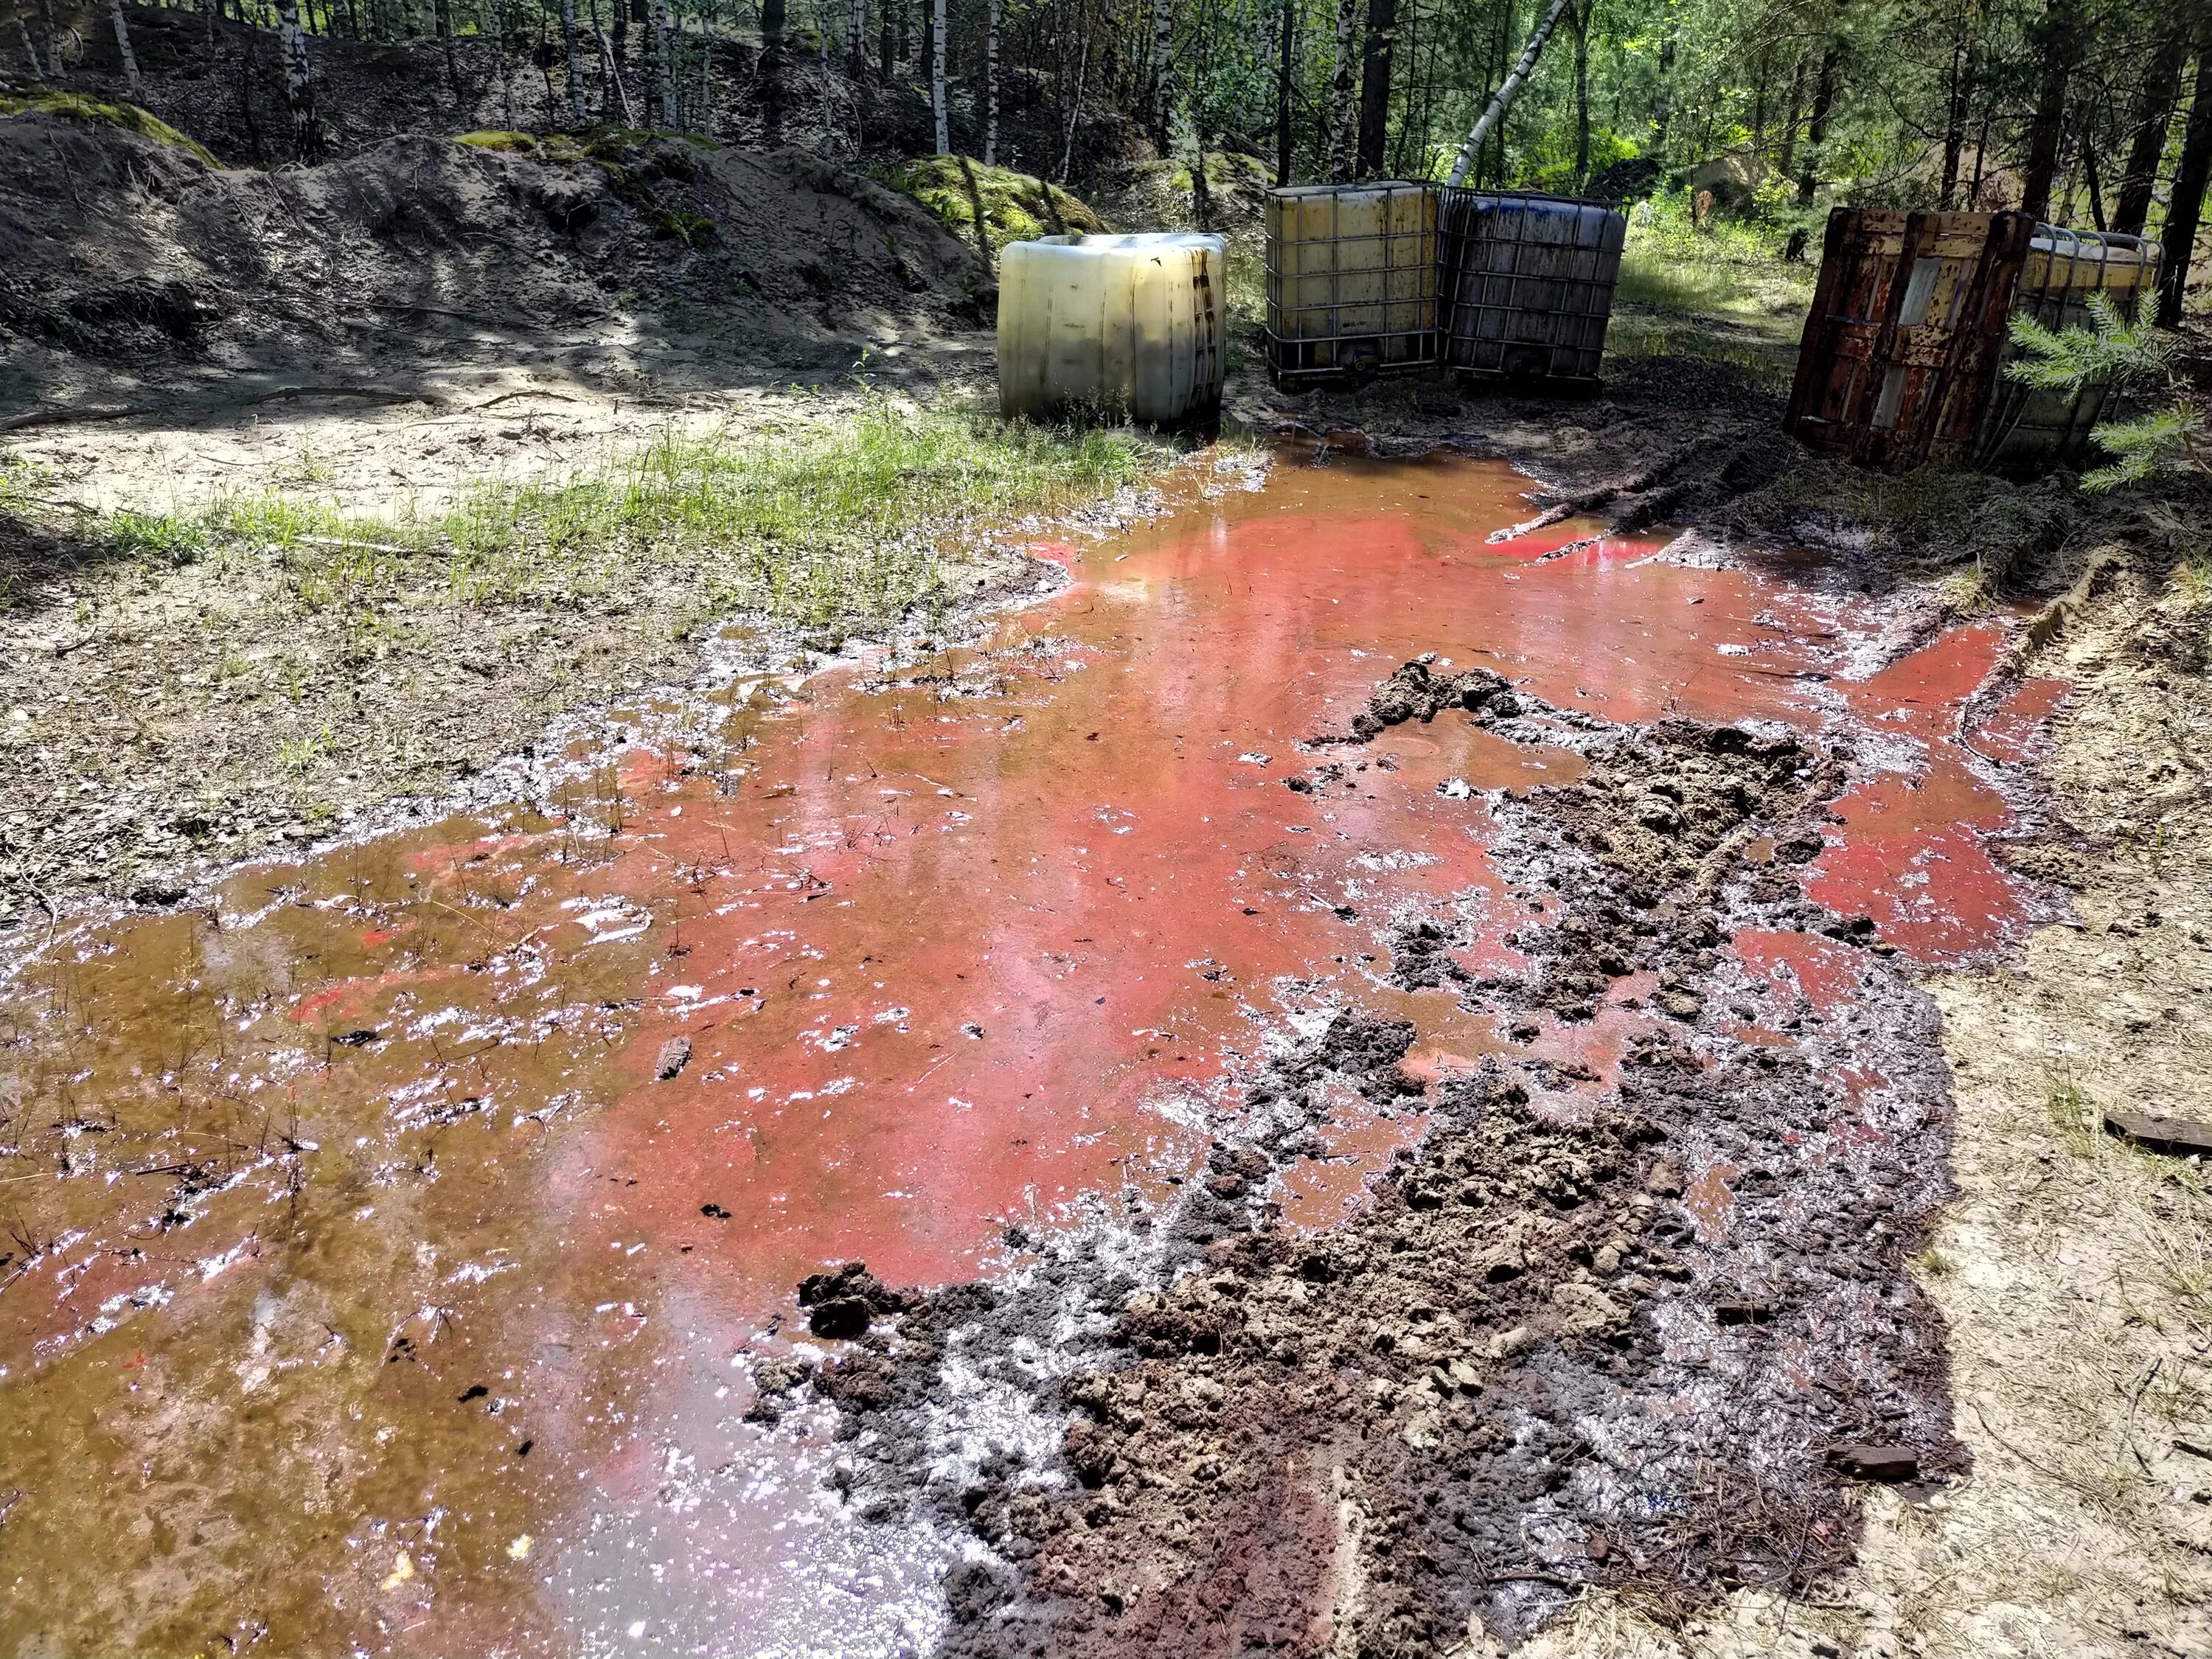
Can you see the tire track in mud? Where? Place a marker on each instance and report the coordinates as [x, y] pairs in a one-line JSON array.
[[1648, 1344]]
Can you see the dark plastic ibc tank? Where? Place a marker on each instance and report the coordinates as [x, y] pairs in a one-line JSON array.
[[1528, 284]]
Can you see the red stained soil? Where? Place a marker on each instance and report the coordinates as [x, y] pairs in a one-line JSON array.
[[953, 952]]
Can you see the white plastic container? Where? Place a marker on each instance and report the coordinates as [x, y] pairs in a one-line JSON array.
[[1112, 326]]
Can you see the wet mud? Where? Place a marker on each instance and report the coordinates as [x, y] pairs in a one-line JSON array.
[[1330, 1164]]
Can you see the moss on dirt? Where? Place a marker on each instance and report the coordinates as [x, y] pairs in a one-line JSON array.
[[1013, 206], [128, 117], [520, 143]]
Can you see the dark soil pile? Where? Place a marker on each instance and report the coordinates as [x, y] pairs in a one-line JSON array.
[[1650, 1345], [132, 252]]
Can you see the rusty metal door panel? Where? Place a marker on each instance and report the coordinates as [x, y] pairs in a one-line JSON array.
[[1907, 325]]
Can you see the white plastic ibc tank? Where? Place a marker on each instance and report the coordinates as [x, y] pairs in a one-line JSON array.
[[1112, 326]]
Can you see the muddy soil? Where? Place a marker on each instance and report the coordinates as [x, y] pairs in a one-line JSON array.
[[1654, 1345]]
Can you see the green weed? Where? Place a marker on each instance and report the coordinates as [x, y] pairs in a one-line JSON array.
[[2073, 1115]]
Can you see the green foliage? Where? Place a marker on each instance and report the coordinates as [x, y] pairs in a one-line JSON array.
[[2112, 351], [813, 530], [2164, 440], [520, 143], [75, 106], [1015, 207], [156, 537], [839, 525]]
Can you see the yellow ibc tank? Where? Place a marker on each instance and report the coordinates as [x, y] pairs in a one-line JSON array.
[[1351, 279], [1112, 326], [2028, 431]]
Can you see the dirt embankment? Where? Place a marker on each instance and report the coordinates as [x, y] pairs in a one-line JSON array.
[[638, 264]]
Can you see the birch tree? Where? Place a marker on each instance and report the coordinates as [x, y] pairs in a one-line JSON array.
[[299, 85], [937, 103], [991, 86], [577, 117], [1163, 32], [663, 70], [1342, 132], [1494, 111], [1074, 104], [132, 84]]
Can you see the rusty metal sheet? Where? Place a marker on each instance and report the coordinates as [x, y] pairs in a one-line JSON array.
[[1902, 344]]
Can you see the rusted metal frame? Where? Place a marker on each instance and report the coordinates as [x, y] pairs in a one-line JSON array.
[[1882, 448], [1809, 389], [1967, 378]]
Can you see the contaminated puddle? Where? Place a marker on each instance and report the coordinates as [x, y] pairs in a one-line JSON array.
[[389, 1248]]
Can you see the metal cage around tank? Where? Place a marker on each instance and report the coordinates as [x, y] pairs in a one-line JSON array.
[[1351, 281], [1526, 284], [2024, 430]]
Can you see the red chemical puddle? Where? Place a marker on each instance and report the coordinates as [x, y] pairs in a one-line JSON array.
[[1911, 852], [957, 952]]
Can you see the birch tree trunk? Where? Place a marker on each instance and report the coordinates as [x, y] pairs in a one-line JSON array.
[[937, 102], [131, 82], [1162, 36], [612, 70], [299, 87], [56, 70], [991, 86], [1342, 133], [703, 106], [1075, 104], [664, 73], [575, 57], [1495, 111]]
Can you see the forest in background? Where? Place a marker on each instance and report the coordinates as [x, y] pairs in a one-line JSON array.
[[2086, 112]]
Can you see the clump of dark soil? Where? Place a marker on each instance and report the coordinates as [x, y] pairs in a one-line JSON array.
[[131, 251], [1652, 1343]]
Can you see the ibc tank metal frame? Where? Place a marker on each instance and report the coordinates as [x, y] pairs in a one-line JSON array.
[[1527, 282], [1902, 342], [2027, 430], [1308, 341]]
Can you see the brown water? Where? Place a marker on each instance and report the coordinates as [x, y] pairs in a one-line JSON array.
[[364, 1289]]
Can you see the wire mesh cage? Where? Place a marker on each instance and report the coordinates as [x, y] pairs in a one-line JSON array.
[[1528, 284], [2027, 430], [1351, 281]]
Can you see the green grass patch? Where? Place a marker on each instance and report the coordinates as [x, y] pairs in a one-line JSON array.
[[849, 524], [1013, 206], [129, 118]]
